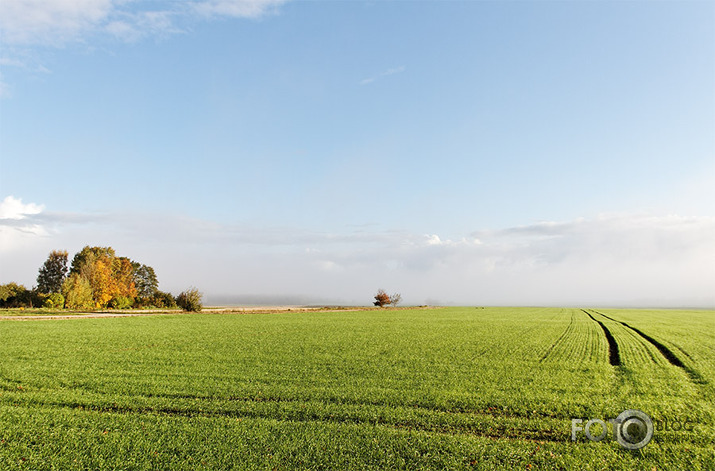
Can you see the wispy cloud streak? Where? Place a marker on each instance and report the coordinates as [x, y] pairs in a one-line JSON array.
[[387, 73]]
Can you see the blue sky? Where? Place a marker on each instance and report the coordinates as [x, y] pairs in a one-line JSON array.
[[459, 152]]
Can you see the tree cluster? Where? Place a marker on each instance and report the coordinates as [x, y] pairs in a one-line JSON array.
[[15, 295], [96, 278], [383, 299]]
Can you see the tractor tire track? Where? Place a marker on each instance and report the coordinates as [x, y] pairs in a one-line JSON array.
[[614, 358], [665, 351], [508, 430]]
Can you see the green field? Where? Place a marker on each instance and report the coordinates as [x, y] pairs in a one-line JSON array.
[[451, 388]]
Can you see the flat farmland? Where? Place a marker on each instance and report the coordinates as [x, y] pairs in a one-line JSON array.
[[449, 388]]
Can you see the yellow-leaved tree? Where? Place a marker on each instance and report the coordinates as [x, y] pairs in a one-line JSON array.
[[111, 278]]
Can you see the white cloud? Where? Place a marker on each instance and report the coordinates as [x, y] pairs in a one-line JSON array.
[[20, 235], [14, 208], [626, 238], [386, 73], [396, 70], [10, 62], [132, 27], [58, 22], [50, 21], [237, 8], [17, 225], [25, 24], [29, 67], [433, 240]]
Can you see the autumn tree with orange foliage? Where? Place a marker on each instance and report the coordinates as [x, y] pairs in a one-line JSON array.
[[381, 298], [111, 278], [97, 278], [124, 273]]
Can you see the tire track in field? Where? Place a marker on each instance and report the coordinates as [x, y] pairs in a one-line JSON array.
[[614, 358], [492, 411], [559, 340], [665, 351], [511, 430]]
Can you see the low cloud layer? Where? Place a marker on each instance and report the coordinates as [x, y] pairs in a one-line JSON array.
[[620, 259]]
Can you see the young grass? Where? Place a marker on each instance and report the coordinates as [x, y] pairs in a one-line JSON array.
[[455, 388]]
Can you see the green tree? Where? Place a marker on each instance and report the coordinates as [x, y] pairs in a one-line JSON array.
[[83, 261], [31, 298], [162, 299], [7, 292], [53, 272], [14, 295], [145, 280], [121, 302], [54, 301], [77, 292]]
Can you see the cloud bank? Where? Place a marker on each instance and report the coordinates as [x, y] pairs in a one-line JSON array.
[[621, 259]]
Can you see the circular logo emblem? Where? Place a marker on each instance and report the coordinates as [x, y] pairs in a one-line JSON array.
[[634, 429]]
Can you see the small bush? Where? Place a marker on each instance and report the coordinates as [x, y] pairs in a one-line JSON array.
[[121, 302], [161, 299], [190, 300], [54, 301]]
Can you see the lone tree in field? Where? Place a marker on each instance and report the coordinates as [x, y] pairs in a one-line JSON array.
[[382, 298], [190, 300], [53, 272]]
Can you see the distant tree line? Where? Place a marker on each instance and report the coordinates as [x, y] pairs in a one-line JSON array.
[[96, 279]]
